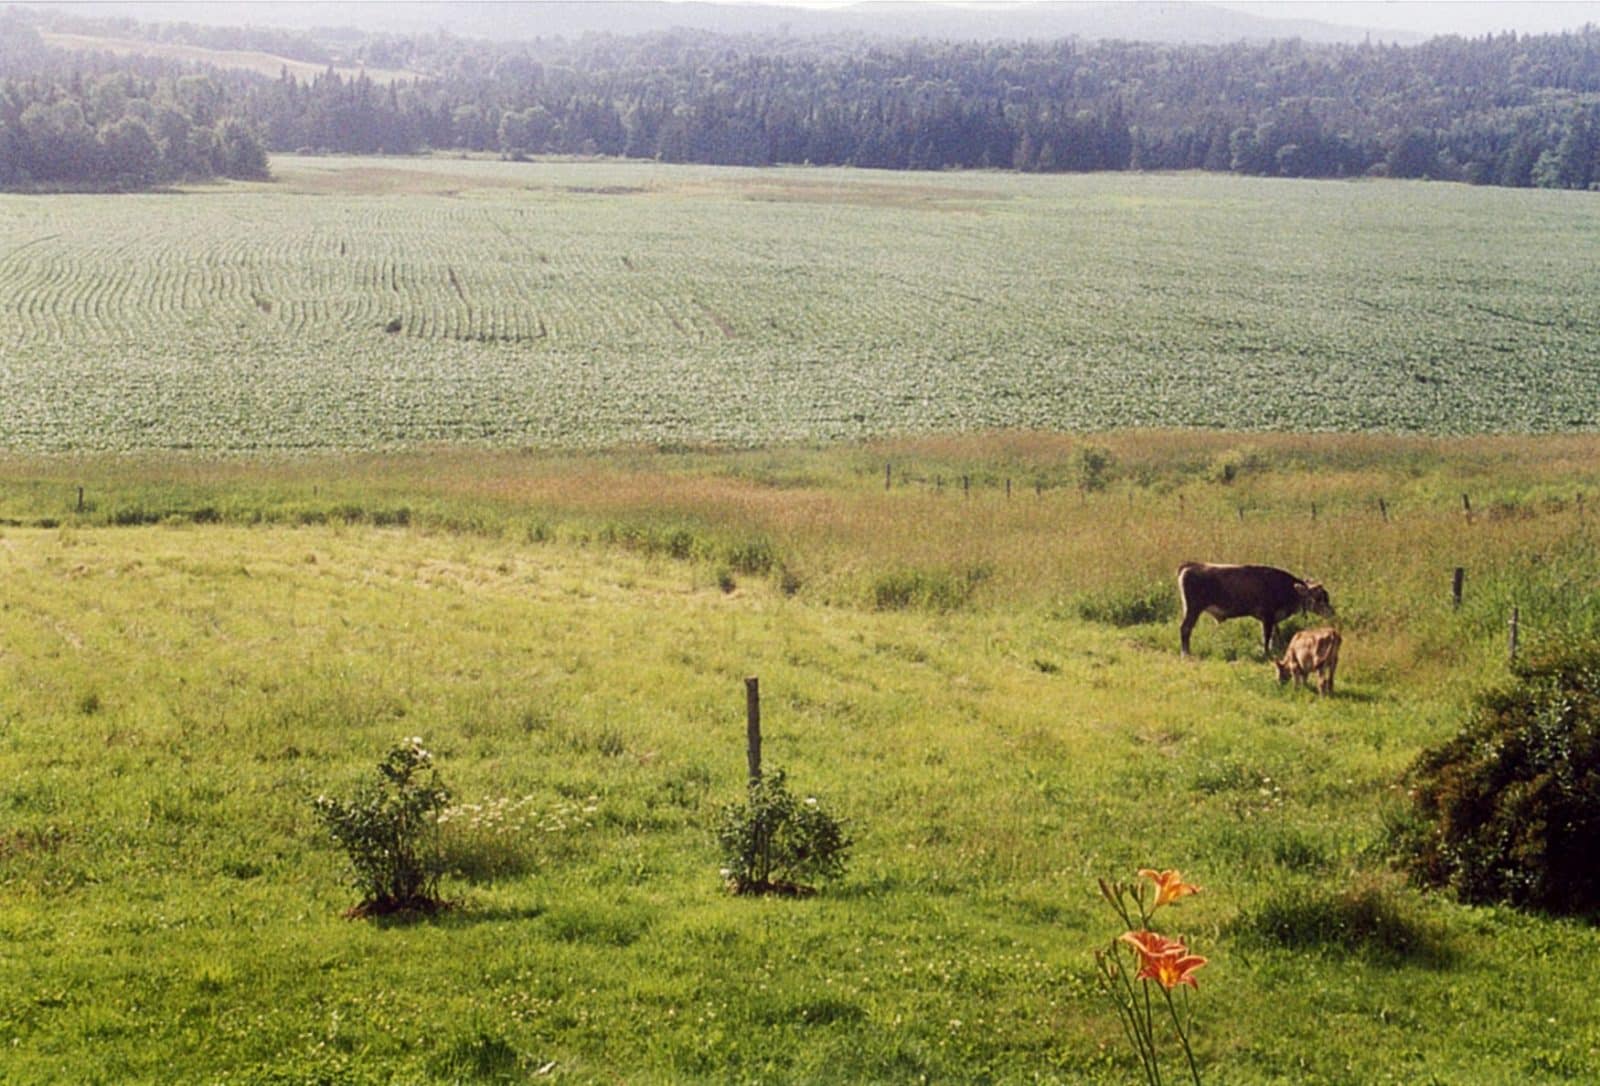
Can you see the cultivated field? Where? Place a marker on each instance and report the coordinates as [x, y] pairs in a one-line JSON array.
[[988, 688], [381, 303]]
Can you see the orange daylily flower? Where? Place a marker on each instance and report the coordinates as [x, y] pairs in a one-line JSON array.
[[1169, 885], [1171, 970], [1151, 945], [1165, 961]]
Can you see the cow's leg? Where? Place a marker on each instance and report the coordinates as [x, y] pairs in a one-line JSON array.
[[1268, 624], [1326, 686], [1184, 627]]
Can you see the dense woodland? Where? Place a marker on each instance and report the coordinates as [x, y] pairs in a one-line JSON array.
[[1504, 110]]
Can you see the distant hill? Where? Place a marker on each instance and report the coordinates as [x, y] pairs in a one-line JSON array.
[[248, 60], [1142, 20]]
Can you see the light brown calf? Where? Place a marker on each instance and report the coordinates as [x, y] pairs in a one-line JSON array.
[[1311, 651]]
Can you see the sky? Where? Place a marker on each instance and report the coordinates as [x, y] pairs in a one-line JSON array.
[[1468, 17]]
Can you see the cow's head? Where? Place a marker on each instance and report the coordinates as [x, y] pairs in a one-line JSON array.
[[1313, 597]]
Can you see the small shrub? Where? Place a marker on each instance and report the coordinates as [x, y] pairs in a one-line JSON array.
[[932, 590], [1361, 919], [1231, 464], [772, 841], [390, 832], [1508, 810], [1133, 606], [754, 557], [1091, 465]]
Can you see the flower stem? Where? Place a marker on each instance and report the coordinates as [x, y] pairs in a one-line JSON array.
[[1194, 1071]]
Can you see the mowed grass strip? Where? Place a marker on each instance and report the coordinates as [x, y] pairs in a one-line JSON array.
[[174, 694]]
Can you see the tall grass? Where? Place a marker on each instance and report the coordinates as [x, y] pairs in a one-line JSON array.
[[173, 692]]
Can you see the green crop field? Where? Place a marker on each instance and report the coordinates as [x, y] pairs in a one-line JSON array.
[[379, 303]]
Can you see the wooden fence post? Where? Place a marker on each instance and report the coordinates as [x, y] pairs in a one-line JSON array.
[[752, 727], [1466, 507], [1455, 587], [1313, 510], [1008, 487], [966, 486], [1383, 510], [886, 476], [80, 499]]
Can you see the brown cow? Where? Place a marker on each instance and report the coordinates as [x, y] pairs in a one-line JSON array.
[[1311, 652], [1260, 592]]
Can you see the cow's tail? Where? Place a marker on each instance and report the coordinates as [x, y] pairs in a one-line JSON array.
[[1183, 591]]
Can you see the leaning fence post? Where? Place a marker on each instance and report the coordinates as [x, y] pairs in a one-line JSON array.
[[1466, 507], [1455, 587], [1383, 510], [752, 727], [1512, 646]]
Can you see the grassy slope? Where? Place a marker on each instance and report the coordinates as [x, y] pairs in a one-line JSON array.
[[173, 693], [247, 60]]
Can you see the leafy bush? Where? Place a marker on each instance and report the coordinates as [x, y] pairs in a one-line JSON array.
[[931, 590], [1231, 464], [771, 841], [1091, 466], [390, 831], [1131, 606], [1362, 919], [1508, 810]]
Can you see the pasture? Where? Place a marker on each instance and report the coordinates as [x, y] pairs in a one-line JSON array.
[[375, 304], [987, 687]]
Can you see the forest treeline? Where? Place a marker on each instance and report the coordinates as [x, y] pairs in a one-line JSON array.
[[71, 122], [1503, 110]]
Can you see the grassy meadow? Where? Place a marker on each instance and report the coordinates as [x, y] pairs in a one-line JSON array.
[[987, 686], [384, 303]]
